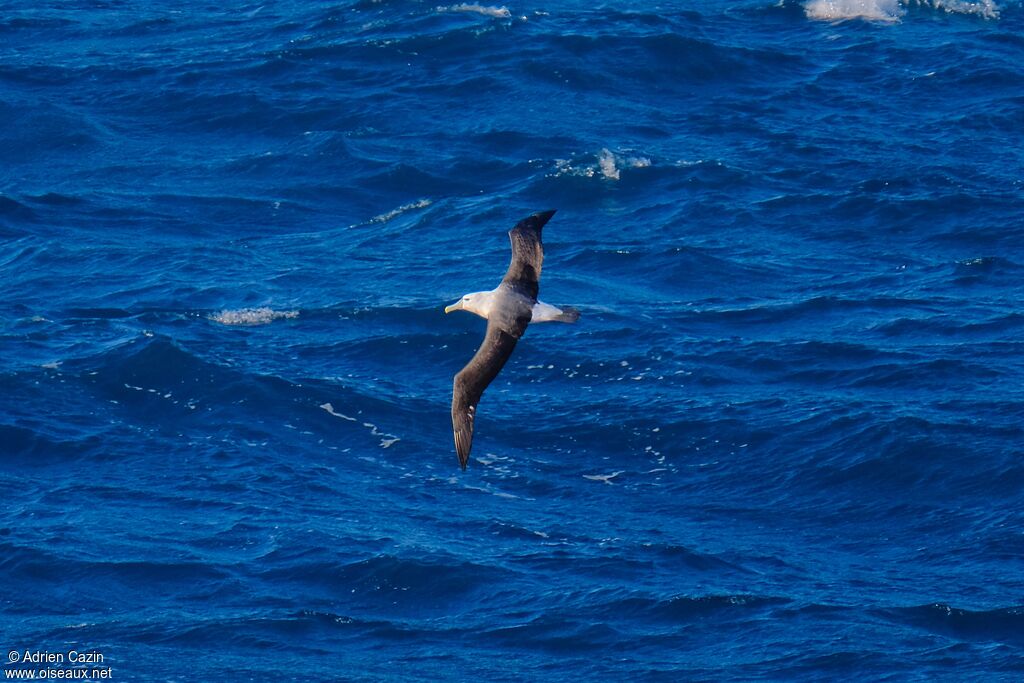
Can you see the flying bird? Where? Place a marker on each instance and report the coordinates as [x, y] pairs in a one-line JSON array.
[[508, 308]]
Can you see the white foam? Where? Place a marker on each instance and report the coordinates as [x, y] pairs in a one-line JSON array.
[[606, 161], [609, 165], [838, 10], [385, 217], [499, 12], [251, 316], [386, 440], [330, 409], [190, 403], [986, 9], [892, 10], [606, 478]]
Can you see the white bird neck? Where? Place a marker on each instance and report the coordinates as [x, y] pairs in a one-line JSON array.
[[481, 303]]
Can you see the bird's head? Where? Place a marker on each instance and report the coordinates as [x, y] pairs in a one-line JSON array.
[[475, 302]]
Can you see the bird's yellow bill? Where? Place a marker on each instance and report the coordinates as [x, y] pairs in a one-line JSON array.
[[454, 307]]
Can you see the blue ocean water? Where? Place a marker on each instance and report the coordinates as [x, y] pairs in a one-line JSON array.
[[785, 441]]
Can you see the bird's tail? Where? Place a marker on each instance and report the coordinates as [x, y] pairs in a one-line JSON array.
[[568, 315]]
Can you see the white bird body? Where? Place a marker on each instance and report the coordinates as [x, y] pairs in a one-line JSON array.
[[482, 303]]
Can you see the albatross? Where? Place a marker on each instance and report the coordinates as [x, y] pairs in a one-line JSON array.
[[508, 309]]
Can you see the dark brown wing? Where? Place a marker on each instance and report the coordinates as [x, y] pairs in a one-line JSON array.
[[523, 273], [471, 381]]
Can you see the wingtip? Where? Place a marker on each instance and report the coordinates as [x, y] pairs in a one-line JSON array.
[[542, 217], [462, 449], [535, 221]]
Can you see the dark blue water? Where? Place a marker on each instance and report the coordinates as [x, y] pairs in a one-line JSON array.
[[784, 442]]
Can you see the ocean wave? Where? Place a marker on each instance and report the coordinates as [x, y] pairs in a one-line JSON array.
[[29, 564], [153, 381], [951, 326], [1004, 624], [490, 11], [29, 24], [251, 316], [413, 581], [11, 209], [836, 364], [393, 213], [837, 10], [556, 634], [607, 165], [574, 180], [31, 447], [687, 608], [896, 454], [669, 268], [603, 617], [986, 9], [58, 199], [893, 10], [676, 56], [386, 440], [769, 312], [413, 180], [263, 630], [53, 129], [145, 27]]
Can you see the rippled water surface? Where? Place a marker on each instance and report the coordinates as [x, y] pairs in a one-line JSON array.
[[785, 440]]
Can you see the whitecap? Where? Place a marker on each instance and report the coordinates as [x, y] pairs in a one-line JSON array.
[[330, 409], [499, 12], [892, 10], [606, 161], [385, 217], [606, 478], [987, 9], [251, 316], [838, 10], [386, 440], [609, 165]]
